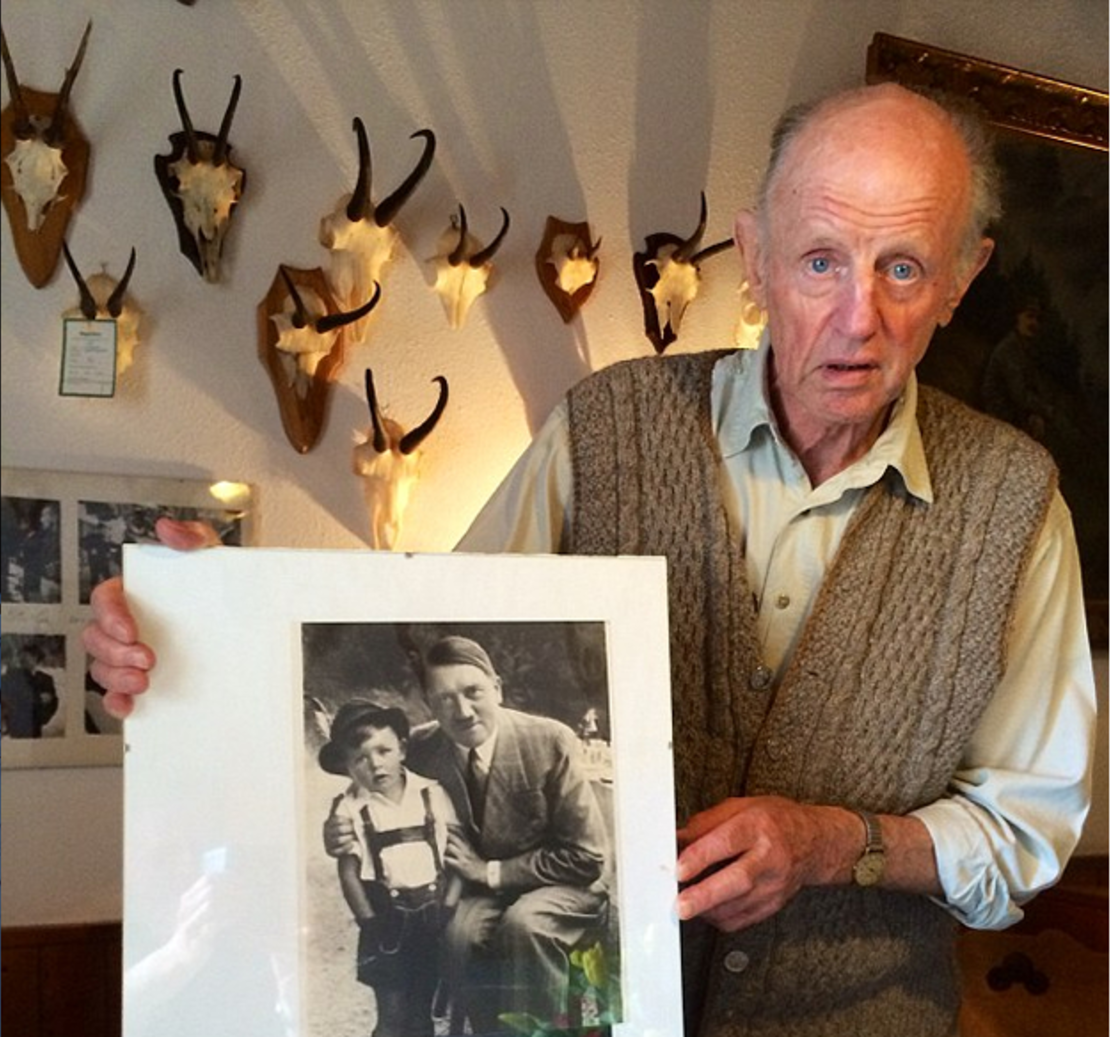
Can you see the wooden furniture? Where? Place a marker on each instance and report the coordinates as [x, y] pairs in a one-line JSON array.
[[61, 980]]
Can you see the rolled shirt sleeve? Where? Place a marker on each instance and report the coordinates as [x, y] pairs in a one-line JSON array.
[[530, 511], [1016, 806]]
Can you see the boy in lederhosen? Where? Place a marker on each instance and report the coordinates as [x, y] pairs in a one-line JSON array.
[[393, 880]]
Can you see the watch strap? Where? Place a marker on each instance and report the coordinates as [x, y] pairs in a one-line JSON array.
[[874, 833], [868, 869]]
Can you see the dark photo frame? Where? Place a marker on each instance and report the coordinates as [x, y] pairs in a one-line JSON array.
[[1029, 341]]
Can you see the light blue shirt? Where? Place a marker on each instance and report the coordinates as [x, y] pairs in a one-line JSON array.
[[1015, 809]]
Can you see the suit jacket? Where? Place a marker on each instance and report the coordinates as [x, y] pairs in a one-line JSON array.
[[541, 819]]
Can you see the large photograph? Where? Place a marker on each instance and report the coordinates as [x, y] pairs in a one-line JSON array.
[[442, 747], [412, 793]]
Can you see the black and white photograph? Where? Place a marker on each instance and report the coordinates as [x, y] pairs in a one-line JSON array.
[[432, 751], [443, 807], [30, 550], [63, 533], [33, 685], [105, 526]]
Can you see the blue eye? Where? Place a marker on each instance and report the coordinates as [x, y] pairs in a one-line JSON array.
[[820, 264], [902, 271]]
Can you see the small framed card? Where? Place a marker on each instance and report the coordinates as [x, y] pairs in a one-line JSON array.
[[234, 916], [88, 358]]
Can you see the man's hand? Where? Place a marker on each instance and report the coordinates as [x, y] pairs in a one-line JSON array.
[[744, 859], [339, 835], [121, 663], [461, 857]]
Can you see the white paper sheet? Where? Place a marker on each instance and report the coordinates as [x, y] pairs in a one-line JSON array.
[[218, 931]]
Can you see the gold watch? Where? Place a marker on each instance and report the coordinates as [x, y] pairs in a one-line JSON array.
[[868, 870]]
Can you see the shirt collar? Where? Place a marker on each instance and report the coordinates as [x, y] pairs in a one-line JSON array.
[[741, 408], [484, 751]]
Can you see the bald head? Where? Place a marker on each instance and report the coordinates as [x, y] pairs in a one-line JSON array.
[[874, 122]]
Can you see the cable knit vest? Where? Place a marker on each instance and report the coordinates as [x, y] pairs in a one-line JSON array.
[[901, 653]]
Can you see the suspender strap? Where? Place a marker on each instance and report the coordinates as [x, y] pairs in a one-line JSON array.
[[412, 834], [430, 827], [373, 843]]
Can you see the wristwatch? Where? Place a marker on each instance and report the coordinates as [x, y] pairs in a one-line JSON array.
[[868, 870]]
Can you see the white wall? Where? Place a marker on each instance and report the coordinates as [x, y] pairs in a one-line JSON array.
[[615, 112]]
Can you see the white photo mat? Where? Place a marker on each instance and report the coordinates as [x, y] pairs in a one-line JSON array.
[[62, 534], [218, 931]]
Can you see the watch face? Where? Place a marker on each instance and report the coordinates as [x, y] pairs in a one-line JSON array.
[[869, 869]]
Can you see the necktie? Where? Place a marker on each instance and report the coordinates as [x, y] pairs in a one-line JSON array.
[[476, 785]]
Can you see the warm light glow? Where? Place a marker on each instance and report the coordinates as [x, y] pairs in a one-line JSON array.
[[749, 327], [231, 494]]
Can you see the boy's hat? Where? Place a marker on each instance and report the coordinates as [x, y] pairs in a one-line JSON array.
[[352, 715]]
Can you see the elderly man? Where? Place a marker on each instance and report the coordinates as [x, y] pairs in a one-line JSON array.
[[534, 849], [883, 697]]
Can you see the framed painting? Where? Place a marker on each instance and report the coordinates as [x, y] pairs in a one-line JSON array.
[[1029, 342], [61, 533], [323, 684]]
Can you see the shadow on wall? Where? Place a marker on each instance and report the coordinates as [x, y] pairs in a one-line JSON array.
[[541, 370]]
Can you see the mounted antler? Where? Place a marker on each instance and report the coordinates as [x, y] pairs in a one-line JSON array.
[[667, 274], [104, 298], [464, 266], [46, 159], [302, 342], [201, 184], [361, 236], [387, 459], [567, 265]]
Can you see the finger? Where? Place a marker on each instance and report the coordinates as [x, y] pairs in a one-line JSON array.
[[106, 648], [120, 687], [715, 817], [109, 606], [739, 914], [710, 851], [185, 535], [118, 705], [722, 886]]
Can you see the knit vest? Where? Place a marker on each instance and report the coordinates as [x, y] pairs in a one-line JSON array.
[[902, 651]]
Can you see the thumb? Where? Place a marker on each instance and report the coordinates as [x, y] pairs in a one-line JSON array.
[[186, 535]]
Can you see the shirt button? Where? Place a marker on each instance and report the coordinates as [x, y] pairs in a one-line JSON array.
[[760, 678], [782, 601], [736, 961]]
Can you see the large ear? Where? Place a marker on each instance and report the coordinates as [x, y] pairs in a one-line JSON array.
[[746, 234], [965, 274]]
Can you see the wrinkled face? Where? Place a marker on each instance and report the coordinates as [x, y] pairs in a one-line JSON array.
[[857, 259], [465, 700], [376, 764]]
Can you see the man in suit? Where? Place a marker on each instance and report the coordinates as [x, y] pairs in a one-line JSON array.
[[533, 845]]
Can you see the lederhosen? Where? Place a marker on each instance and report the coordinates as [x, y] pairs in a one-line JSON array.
[[407, 922]]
